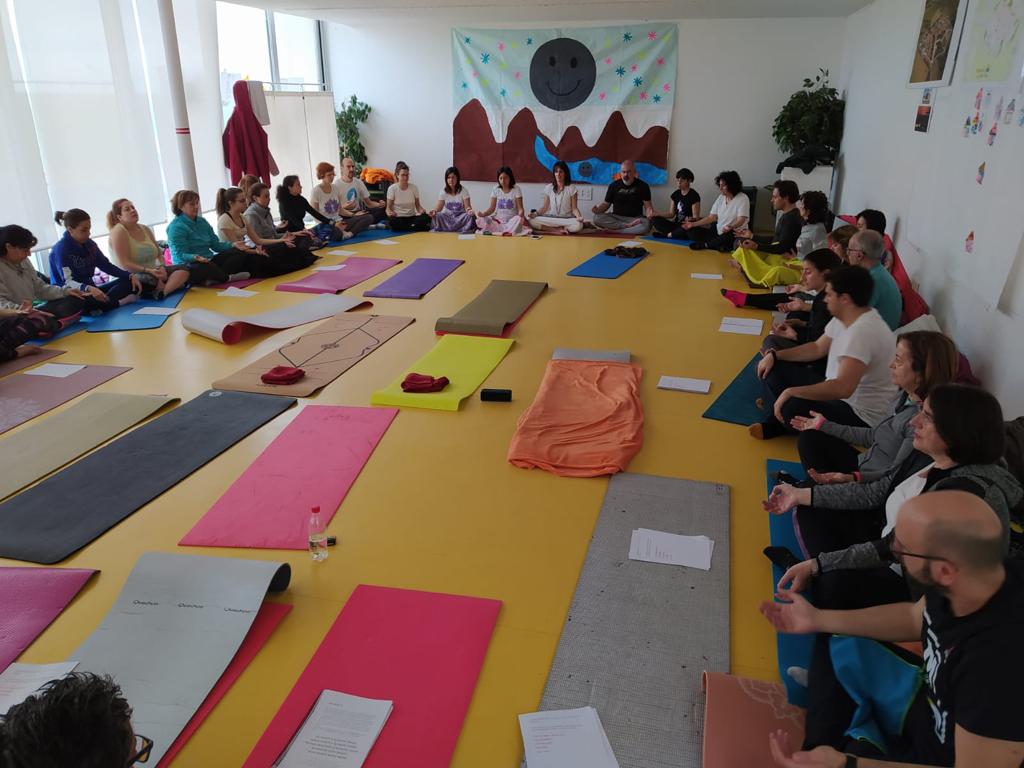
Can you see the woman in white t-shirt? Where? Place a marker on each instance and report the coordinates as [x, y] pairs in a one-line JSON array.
[[558, 214], [505, 215], [405, 214], [454, 212], [731, 211]]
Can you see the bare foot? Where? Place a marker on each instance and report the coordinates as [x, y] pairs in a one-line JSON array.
[[28, 349]]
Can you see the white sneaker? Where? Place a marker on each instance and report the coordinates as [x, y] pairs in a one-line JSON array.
[[798, 675], [347, 236]]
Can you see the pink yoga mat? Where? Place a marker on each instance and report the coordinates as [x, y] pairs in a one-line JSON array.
[[313, 462], [356, 270], [31, 598], [421, 650], [26, 361], [24, 397], [269, 616]]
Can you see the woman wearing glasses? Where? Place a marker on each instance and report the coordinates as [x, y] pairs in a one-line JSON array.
[[959, 442]]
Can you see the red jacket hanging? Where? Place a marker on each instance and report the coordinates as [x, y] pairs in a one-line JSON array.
[[245, 142]]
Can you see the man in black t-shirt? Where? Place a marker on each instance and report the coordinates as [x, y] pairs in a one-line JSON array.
[[970, 621], [685, 207], [630, 201]]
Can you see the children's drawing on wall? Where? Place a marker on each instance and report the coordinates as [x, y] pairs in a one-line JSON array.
[[980, 178], [924, 111], [993, 37], [590, 97], [969, 242], [992, 134], [937, 41]]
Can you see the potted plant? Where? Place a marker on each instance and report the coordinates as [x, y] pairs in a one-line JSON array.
[[809, 129], [347, 120]]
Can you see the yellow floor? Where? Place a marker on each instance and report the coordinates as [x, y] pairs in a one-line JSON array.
[[437, 507]]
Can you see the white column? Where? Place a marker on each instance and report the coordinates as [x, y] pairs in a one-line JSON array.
[[177, 89]]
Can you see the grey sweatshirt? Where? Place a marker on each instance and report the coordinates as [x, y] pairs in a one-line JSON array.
[[20, 281], [1002, 492], [888, 444], [262, 221]]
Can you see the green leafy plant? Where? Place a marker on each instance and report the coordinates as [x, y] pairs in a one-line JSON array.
[[812, 118], [348, 119]]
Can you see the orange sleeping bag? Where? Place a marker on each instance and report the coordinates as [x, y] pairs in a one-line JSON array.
[[585, 421]]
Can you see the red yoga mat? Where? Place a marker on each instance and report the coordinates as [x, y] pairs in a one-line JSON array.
[[266, 621], [31, 598], [312, 463], [421, 650]]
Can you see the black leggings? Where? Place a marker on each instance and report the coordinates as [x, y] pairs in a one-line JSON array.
[[670, 228], [281, 259], [709, 238], [826, 453], [419, 223], [69, 306], [15, 331], [829, 530], [115, 290]]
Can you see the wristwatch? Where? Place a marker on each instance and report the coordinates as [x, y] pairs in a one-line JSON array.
[[851, 761]]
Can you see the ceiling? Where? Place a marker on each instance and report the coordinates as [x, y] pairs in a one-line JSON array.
[[496, 11]]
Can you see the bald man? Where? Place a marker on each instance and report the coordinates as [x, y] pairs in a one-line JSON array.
[[355, 197], [961, 705], [629, 199]]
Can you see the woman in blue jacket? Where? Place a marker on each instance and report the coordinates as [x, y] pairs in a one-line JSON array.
[[75, 259]]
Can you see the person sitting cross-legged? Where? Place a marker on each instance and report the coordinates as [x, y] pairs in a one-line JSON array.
[[730, 212], [871, 704], [867, 249], [558, 214], [858, 345], [685, 207], [626, 209]]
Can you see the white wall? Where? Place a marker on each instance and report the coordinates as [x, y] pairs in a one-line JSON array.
[[734, 76], [925, 183]]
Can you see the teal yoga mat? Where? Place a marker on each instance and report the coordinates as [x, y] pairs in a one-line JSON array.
[[666, 240], [792, 650], [366, 236], [737, 404]]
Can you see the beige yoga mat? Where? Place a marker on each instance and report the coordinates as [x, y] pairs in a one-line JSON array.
[[324, 353], [26, 361], [494, 312], [47, 446]]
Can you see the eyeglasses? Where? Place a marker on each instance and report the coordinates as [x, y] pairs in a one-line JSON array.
[[141, 751], [896, 548]]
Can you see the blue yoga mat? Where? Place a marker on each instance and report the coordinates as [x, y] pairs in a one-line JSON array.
[[365, 236], [125, 319], [666, 240], [604, 266], [792, 650], [737, 404], [71, 329]]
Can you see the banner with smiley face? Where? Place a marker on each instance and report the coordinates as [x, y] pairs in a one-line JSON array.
[[591, 97]]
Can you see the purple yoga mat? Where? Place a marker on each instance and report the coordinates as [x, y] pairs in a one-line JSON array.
[[25, 361], [416, 280], [32, 598], [24, 396], [357, 269]]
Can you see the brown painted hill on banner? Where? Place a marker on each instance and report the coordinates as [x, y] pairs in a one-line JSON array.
[[478, 156]]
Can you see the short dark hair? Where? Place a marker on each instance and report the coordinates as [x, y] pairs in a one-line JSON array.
[[71, 218], [823, 259], [815, 206], [873, 220], [685, 173], [511, 176], [732, 181], [970, 422], [565, 169], [16, 235], [788, 190], [855, 282], [81, 720], [458, 180], [933, 357]]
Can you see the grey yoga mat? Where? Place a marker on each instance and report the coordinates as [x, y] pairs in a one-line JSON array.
[[63, 513], [639, 635]]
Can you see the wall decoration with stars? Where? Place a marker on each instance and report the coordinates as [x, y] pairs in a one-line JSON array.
[[591, 97]]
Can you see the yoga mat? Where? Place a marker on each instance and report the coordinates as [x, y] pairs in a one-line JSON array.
[[31, 599], [312, 463], [638, 635], [56, 518], [230, 329], [366, 236], [604, 266], [173, 631], [466, 360], [792, 650], [496, 311], [357, 269], [737, 403], [47, 446], [666, 240], [235, 284], [324, 353], [611, 356], [266, 621], [421, 650], [738, 716], [24, 397], [27, 361], [416, 280], [125, 319], [70, 330], [586, 420]]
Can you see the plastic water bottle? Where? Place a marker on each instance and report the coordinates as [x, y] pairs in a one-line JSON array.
[[317, 537]]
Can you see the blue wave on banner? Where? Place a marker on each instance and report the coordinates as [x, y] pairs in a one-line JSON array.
[[597, 171]]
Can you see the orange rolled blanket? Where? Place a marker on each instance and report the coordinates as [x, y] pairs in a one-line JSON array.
[[586, 420]]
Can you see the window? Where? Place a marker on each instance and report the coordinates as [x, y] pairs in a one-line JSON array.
[[298, 52]]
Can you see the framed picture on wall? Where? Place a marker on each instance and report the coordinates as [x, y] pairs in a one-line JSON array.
[[992, 39], [938, 40]]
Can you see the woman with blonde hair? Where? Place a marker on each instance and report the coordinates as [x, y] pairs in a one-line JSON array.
[[135, 248]]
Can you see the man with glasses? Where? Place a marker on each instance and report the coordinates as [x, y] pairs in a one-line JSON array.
[[866, 249], [81, 720], [961, 704], [629, 199]]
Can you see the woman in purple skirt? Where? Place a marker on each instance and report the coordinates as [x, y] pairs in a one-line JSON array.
[[454, 212]]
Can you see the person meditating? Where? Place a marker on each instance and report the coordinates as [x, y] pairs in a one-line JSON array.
[[629, 201]]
